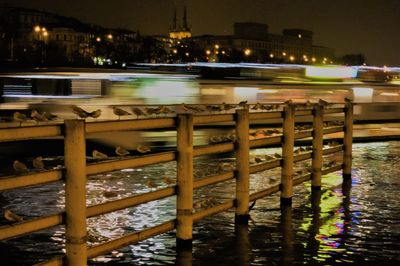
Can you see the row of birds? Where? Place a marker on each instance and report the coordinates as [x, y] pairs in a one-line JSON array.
[[38, 164], [44, 116]]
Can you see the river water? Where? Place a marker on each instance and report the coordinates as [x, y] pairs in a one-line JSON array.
[[350, 222]]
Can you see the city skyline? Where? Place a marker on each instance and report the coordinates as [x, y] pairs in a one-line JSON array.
[[355, 27]]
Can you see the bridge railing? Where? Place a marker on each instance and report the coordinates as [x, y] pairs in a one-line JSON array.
[[75, 171]]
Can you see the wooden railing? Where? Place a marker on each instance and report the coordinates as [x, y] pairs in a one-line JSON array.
[[76, 170]]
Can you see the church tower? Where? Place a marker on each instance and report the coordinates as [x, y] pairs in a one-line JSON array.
[[180, 31]]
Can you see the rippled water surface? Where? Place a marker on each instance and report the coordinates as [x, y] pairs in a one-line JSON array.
[[350, 222]]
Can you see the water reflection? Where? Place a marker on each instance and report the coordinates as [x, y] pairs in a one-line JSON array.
[[355, 221]]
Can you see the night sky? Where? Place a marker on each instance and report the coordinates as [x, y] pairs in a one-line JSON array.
[[370, 27]]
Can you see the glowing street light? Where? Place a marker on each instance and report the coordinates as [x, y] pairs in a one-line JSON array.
[[291, 58], [109, 36], [271, 55], [247, 52], [98, 39], [283, 54], [208, 52], [313, 59], [37, 28], [216, 46]]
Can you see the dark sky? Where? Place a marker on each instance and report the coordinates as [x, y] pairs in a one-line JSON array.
[[349, 26]]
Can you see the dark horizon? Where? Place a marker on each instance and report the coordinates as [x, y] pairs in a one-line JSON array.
[[357, 27]]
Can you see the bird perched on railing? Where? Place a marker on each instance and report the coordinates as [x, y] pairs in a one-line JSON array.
[[143, 148], [38, 163], [323, 103], [121, 151], [137, 111], [98, 155], [120, 112], [166, 110], [95, 114], [243, 104], [80, 112], [12, 217], [19, 117], [258, 106], [38, 116], [49, 115], [20, 167], [226, 107]]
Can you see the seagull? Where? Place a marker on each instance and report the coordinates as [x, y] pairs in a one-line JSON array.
[[288, 102], [80, 112], [38, 163], [120, 112], [322, 102], [143, 149], [20, 167], [12, 217], [137, 111], [243, 104], [269, 157], [109, 194], [257, 106], [38, 116], [258, 160], [50, 116], [98, 155], [348, 100], [95, 114], [121, 151], [166, 110], [19, 117], [227, 107], [277, 155]]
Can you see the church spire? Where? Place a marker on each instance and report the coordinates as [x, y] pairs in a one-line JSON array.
[[174, 26], [185, 24]]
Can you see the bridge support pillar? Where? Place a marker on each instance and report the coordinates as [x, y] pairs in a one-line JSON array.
[[317, 146], [348, 140], [287, 155]]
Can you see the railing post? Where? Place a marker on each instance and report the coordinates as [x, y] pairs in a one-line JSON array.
[[75, 192], [317, 145], [242, 150], [348, 140], [184, 197], [287, 156]]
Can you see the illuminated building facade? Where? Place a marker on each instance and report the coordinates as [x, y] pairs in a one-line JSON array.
[[180, 31], [253, 41]]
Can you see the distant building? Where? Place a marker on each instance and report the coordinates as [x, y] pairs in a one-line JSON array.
[[26, 32], [180, 31], [253, 41]]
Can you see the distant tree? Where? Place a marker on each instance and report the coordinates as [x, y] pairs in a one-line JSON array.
[[353, 59]]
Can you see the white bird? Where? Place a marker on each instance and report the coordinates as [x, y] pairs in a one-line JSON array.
[[12, 217], [98, 155], [121, 151], [38, 163], [143, 148], [20, 167]]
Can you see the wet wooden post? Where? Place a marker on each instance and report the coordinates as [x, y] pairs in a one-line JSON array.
[[242, 166], [184, 197], [287, 156], [75, 192], [348, 140], [317, 146]]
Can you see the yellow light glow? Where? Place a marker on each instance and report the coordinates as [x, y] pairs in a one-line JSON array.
[[247, 52], [109, 36], [271, 55], [283, 53], [37, 28], [223, 52], [299, 36], [304, 56], [44, 29], [216, 46], [313, 59], [98, 39], [45, 34], [208, 52], [175, 51], [187, 54], [291, 58]]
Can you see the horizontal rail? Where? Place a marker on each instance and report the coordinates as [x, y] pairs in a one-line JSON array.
[[265, 166], [37, 224], [301, 179], [32, 179], [303, 112], [335, 129], [130, 239], [197, 216], [332, 149], [256, 143], [113, 165], [302, 157], [21, 133], [129, 202], [213, 179], [217, 118], [333, 110], [131, 124], [56, 261], [265, 192], [332, 169], [265, 115], [214, 148], [303, 134]]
